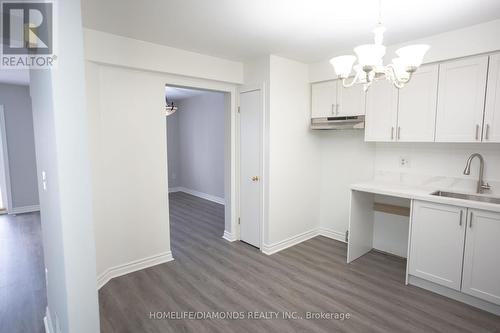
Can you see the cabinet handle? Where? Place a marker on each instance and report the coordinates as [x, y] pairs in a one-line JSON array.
[[392, 133], [470, 221], [477, 132], [333, 109], [338, 108], [399, 133], [487, 135], [461, 214]]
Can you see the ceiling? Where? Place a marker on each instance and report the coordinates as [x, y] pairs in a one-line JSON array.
[[15, 76], [305, 30], [176, 94]]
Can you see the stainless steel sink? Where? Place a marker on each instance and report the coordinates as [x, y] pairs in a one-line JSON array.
[[463, 196]]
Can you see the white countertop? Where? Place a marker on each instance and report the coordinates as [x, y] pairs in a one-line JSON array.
[[420, 193]]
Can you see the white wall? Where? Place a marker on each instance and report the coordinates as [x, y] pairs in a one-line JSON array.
[[468, 41], [129, 143], [129, 161], [116, 50], [198, 147], [61, 140], [20, 146], [293, 157], [345, 159]]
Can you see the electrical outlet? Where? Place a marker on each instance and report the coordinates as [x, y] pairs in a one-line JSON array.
[[404, 162]]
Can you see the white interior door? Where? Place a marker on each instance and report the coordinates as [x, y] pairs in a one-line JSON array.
[[250, 152]]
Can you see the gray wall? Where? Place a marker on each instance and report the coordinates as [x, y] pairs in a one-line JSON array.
[[196, 144], [20, 144]]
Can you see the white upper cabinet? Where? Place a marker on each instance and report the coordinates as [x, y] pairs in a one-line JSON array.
[[381, 112], [461, 94], [481, 276], [324, 99], [417, 106], [437, 242], [491, 131], [351, 100]]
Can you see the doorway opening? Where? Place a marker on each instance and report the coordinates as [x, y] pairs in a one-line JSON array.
[[197, 164], [22, 269]]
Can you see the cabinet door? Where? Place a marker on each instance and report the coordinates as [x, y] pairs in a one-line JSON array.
[[481, 264], [437, 243], [461, 94], [381, 112], [491, 131], [417, 106], [351, 100], [324, 99]]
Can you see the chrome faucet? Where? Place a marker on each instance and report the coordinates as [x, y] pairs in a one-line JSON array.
[[481, 185]]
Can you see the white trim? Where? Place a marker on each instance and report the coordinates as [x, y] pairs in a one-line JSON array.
[[229, 236], [297, 239], [333, 234], [8, 189], [47, 321], [289, 242], [25, 209], [198, 194], [133, 266], [174, 189]]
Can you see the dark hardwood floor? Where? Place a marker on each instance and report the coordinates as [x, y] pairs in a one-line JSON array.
[[211, 274], [22, 277]]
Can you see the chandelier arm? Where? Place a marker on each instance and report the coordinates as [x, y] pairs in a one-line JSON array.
[[398, 83], [353, 82]]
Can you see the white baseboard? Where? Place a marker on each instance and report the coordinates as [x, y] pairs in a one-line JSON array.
[[25, 209], [47, 322], [198, 194], [229, 236], [133, 266], [174, 189], [291, 241], [333, 234], [294, 240]]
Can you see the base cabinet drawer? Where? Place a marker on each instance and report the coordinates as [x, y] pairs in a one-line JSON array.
[[481, 272]]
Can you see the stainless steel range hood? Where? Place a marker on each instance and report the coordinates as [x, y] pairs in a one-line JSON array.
[[338, 123]]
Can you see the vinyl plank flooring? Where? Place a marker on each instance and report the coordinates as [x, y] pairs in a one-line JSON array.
[[211, 274], [22, 278]]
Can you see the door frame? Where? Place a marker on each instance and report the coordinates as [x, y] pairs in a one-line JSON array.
[[263, 184], [231, 171], [5, 181]]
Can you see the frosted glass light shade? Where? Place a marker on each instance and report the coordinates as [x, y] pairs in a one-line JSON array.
[[343, 65], [412, 55], [370, 54], [400, 69]]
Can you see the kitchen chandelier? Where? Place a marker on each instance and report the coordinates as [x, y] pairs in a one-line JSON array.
[[370, 65]]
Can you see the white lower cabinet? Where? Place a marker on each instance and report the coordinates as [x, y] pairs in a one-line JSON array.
[[456, 247], [481, 277], [437, 242]]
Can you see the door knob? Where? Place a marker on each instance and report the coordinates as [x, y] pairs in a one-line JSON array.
[[255, 178]]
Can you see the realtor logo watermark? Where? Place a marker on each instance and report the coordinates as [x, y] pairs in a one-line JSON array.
[[28, 34]]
